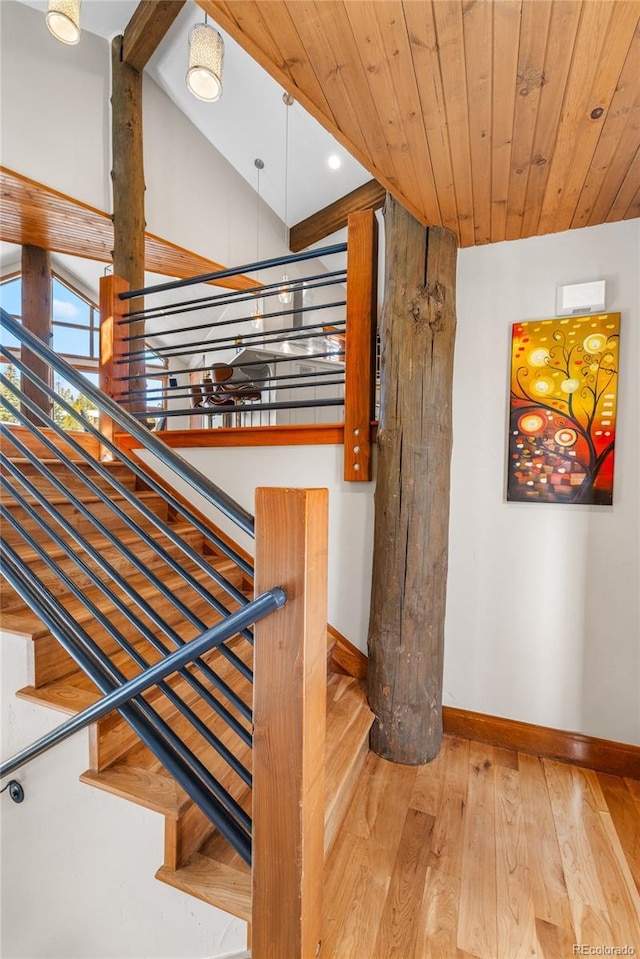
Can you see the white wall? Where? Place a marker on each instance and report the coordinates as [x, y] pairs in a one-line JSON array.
[[78, 865], [238, 471], [542, 619], [54, 122]]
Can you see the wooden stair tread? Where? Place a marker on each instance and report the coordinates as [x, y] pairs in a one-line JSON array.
[[173, 582], [213, 882], [206, 874], [127, 537]]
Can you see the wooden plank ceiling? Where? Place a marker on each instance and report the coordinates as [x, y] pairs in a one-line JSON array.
[[31, 213], [499, 119]]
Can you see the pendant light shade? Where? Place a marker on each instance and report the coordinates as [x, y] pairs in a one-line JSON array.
[[63, 19], [206, 53]]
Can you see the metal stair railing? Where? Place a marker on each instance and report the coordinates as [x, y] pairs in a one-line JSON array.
[[77, 615]]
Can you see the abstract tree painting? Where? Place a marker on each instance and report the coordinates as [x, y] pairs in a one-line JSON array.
[[564, 379]]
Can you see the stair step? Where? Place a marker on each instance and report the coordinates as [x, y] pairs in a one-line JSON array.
[[62, 472], [19, 618], [214, 883], [108, 553], [216, 874], [31, 439]]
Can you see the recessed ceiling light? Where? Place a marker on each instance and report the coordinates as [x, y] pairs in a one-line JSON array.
[[334, 161]]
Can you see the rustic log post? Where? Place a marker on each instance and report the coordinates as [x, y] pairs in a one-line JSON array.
[[289, 725], [406, 628], [360, 362], [112, 346], [127, 174], [37, 318]]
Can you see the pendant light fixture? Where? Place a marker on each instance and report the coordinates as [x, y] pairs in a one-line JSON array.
[[257, 321], [206, 55], [285, 293], [63, 20]]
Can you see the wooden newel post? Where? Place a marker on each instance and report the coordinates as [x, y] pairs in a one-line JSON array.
[[112, 345], [360, 361], [406, 627], [289, 725]]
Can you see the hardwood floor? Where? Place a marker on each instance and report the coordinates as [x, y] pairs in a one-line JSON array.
[[485, 853]]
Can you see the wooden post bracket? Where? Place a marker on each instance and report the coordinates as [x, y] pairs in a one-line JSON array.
[[360, 362]]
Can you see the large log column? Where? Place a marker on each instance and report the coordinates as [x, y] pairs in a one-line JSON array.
[[406, 630], [37, 318], [127, 174]]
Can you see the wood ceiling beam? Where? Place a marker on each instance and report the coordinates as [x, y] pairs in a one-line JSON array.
[[33, 214], [369, 196], [146, 29]]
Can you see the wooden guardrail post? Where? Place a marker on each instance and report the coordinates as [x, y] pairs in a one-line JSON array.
[[360, 362], [289, 725], [112, 345]]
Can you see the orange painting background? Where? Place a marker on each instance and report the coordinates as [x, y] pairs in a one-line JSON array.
[[564, 379]]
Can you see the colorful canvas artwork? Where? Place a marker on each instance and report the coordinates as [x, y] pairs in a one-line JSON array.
[[562, 424]]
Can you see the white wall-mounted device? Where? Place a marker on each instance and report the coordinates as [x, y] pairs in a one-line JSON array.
[[581, 298]]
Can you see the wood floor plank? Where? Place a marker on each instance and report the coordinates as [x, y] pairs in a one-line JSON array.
[[570, 799], [548, 887], [448, 834], [395, 938], [516, 919], [436, 930], [626, 819], [477, 921]]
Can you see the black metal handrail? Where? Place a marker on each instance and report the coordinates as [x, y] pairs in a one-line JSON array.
[[256, 610], [199, 483], [39, 518]]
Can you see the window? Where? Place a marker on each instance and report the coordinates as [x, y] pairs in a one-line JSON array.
[[76, 338]]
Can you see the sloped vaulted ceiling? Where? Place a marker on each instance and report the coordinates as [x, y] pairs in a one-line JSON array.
[[496, 118]]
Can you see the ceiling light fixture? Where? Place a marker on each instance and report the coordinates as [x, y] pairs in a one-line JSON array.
[[334, 161], [206, 55], [63, 20], [285, 293]]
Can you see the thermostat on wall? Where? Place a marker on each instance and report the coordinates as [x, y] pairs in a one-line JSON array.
[[581, 298]]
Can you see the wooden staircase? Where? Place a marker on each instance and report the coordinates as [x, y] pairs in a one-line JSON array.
[[197, 860]]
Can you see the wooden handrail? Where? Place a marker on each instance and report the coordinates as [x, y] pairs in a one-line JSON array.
[[289, 725], [362, 289]]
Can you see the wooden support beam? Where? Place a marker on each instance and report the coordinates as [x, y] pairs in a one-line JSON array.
[[37, 318], [112, 346], [127, 174], [360, 362], [289, 725], [369, 196], [409, 580], [146, 29]]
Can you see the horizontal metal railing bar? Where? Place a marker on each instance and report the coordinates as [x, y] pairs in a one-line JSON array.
[[200, 483], [145, 607], [127, 494], [151, 728], [115, 633], [248, 408], [304, 357], [226, 299], [273, 377], [171, 393], [237, 270], [259, 608], [231, 340], [135, 468], [124, 517]]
